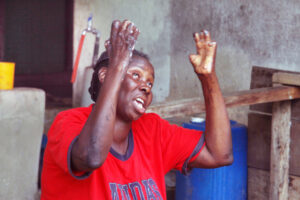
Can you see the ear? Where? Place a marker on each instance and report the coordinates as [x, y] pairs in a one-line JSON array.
[[101, 74]]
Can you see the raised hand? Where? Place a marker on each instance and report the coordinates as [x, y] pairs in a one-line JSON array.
[[121, 43], [204, 61]]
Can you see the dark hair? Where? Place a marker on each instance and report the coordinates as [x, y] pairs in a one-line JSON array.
[[104, 61]]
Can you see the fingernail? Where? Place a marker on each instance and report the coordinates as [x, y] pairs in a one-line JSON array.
[[210, 44], [206, 32], [116, 22]]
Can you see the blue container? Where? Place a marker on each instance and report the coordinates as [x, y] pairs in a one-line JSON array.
[[224, 183]]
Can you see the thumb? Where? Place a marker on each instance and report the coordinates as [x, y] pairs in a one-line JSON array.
[[194, 59]]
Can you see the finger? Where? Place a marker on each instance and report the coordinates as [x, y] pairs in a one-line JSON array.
[[201, 36], [129, 29], [134, 37], [128, 33], [206, 36], [130, 37], [136, 32], [108, 47], [114, 30], [122, 33], [212, 44], [200, 50], [107, 43], [212, 49], [196, 37], [124, 25]]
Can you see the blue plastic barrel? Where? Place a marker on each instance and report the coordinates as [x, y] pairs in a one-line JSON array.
[[224, 183]]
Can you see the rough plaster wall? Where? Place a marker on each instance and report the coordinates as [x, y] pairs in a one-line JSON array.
[[262, 33], [151, 17]]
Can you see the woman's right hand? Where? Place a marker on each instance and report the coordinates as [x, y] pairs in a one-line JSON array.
[[121, 43]]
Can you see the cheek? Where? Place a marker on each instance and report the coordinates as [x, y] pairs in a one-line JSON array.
[[150, 99]]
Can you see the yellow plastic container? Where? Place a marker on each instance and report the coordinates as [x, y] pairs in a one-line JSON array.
[[7, 72]]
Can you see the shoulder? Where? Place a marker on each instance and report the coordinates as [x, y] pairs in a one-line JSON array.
[[71, 120], [72, 117], [75, 113]]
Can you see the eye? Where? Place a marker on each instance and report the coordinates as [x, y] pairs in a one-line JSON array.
[[150, 84], [135, 75]]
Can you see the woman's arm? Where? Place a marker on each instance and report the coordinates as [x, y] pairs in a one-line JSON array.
[[218, 149], [90, 150]]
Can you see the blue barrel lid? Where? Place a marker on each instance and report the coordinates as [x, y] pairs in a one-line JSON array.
[[201, 125]]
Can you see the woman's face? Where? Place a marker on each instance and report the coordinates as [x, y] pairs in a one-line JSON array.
[[136, 90]]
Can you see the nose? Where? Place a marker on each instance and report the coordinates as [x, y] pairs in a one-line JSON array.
[[145, 88]]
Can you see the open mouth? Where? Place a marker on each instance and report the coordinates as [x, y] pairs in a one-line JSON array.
[[140, 105]]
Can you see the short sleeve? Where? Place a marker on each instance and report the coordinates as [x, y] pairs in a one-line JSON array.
[[179, 145], [63, 132]]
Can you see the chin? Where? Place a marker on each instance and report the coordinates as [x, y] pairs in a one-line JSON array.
[[136, 117]]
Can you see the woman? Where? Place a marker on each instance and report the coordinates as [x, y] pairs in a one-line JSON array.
[[112, 149]]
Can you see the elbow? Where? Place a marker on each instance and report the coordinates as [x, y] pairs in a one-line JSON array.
[[94, 162], [226, 160], [94, 158], [87, 159]]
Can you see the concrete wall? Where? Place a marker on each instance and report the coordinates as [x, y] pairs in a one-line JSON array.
[[21, 128], [262, 33]]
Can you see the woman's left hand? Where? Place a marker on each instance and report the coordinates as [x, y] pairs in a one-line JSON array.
[[204, 61]]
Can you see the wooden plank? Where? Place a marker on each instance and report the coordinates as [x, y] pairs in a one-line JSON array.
[[258, 185], [259, 140], [259, 143], [294, 151], [241, 98], [286, 78], [262, 95], [262, 77], [280, 150]]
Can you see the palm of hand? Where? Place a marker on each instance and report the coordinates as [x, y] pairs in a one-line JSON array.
[[121, 43], [204, 61]]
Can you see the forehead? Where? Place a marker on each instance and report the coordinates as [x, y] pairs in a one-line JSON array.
[[141, 63]]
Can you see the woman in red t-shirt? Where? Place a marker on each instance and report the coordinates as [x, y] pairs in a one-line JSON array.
[[113, 136]]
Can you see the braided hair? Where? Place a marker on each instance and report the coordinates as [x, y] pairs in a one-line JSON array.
[[104, 61]]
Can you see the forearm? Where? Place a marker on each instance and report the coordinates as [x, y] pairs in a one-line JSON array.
[[217, 132], [93, 144]]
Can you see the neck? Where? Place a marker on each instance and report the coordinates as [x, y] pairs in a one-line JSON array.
[[120, 136]]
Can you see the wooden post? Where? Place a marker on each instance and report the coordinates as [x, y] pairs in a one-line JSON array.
[[280, 149]]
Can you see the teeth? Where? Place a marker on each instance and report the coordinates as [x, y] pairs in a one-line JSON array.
[[140, 100], [140, 105]]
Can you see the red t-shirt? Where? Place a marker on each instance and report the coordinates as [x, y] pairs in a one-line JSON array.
[[155, 147]]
